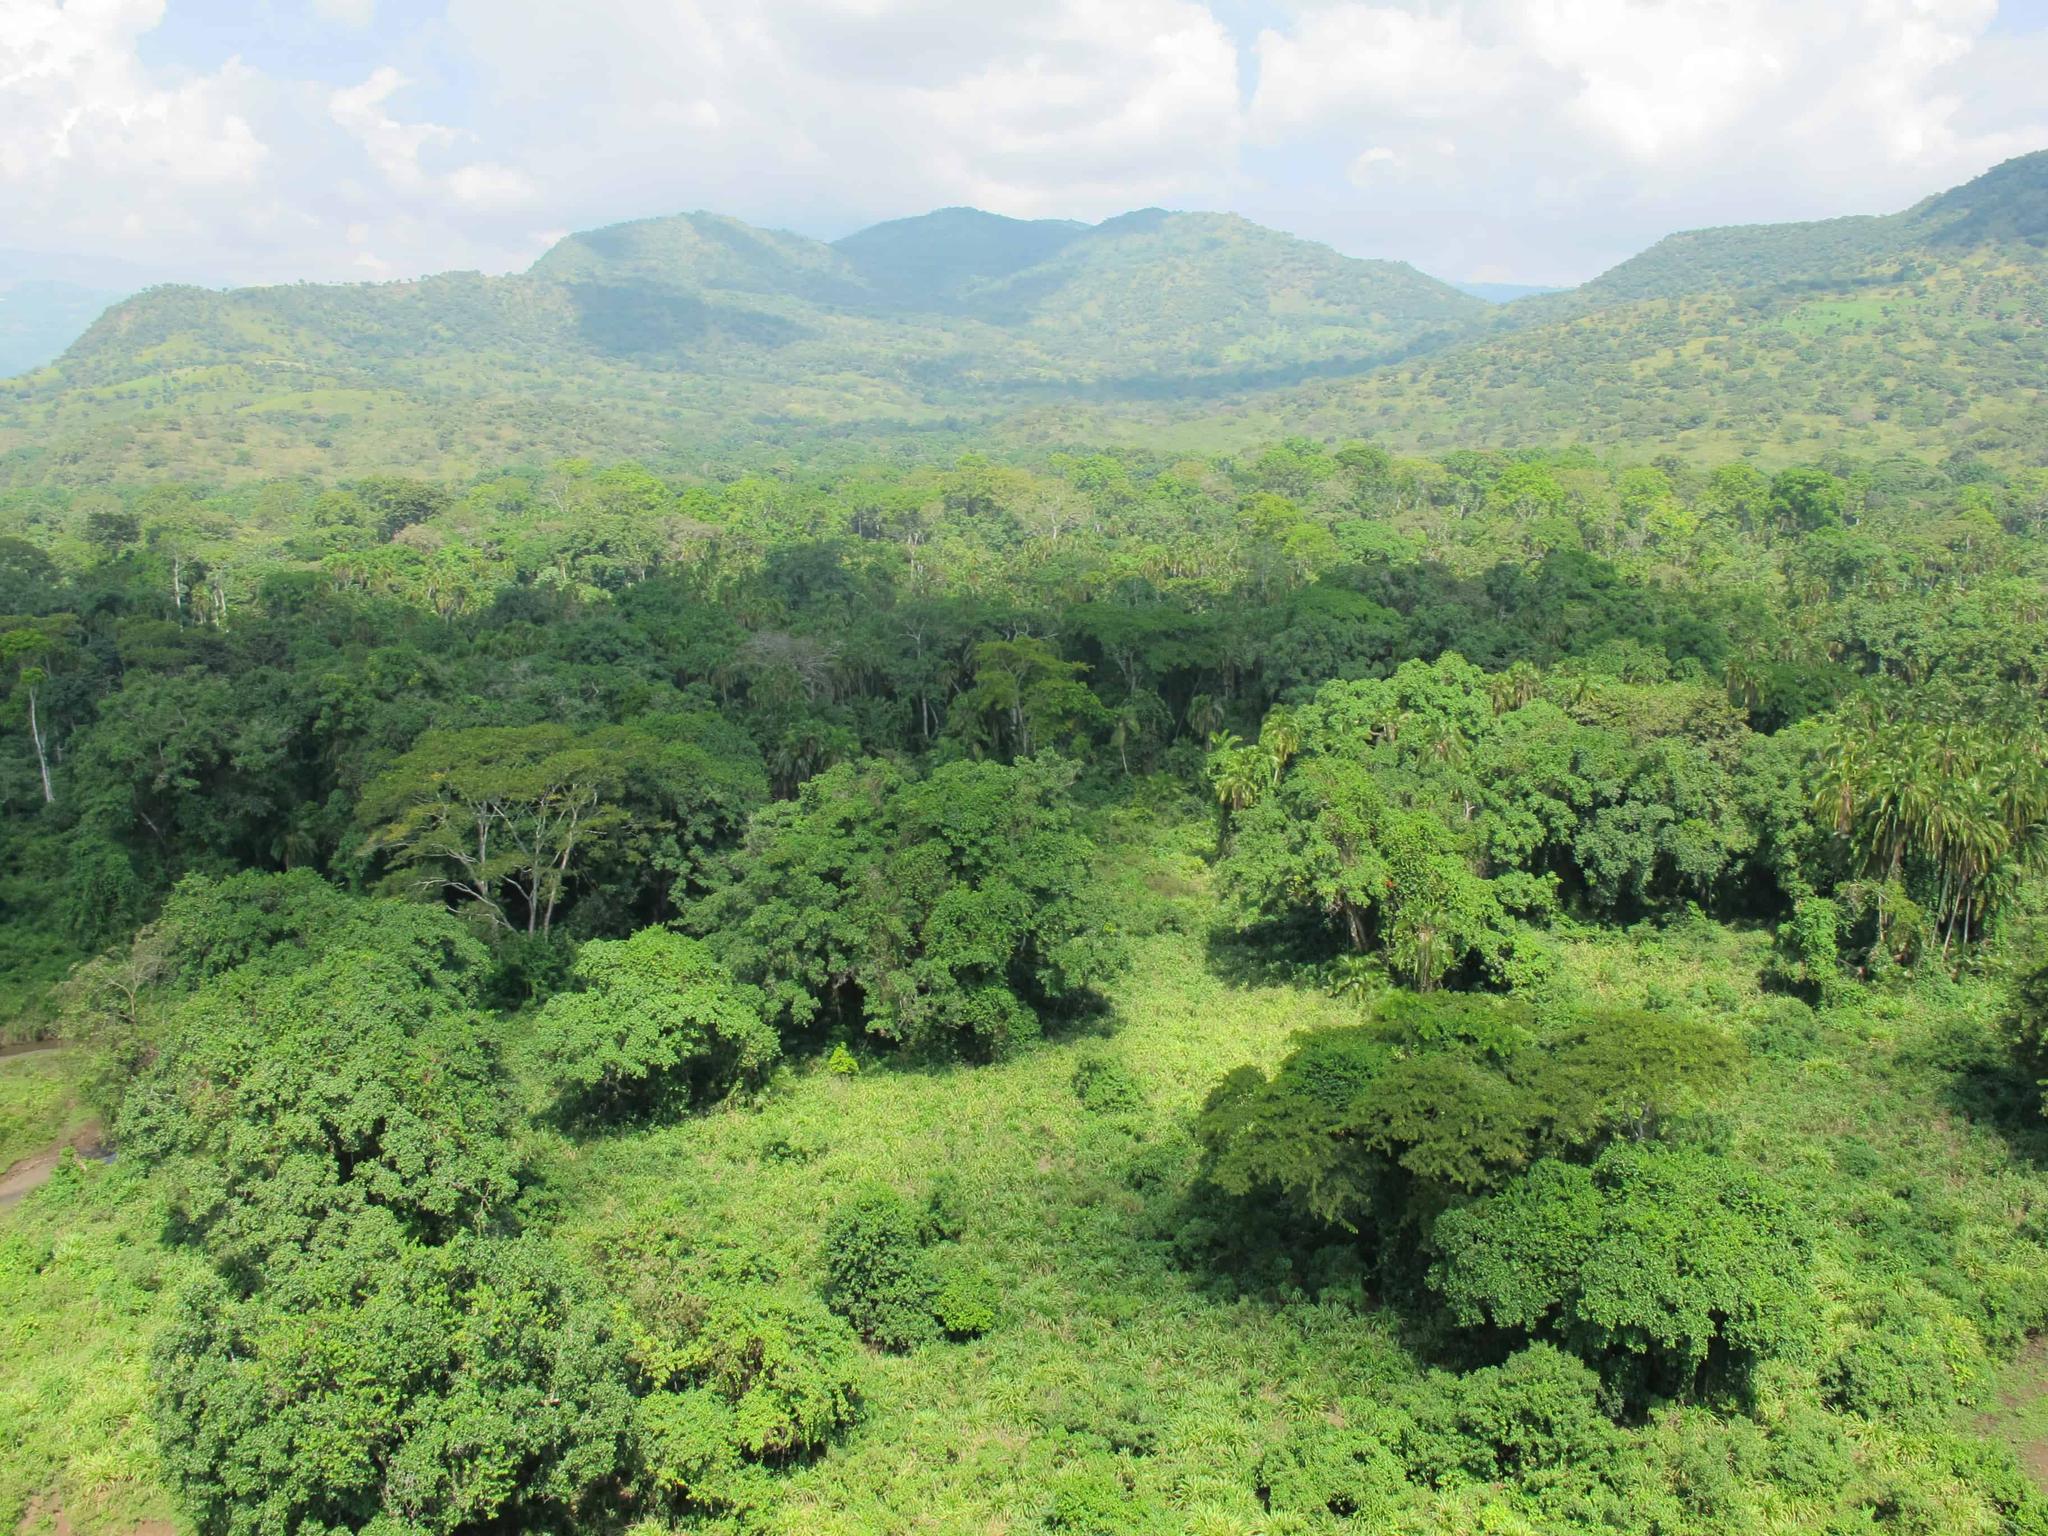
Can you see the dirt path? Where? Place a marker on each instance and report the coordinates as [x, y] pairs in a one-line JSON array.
[[45, 1517], [2018, 1410], [32, 1173], [31, 1048]]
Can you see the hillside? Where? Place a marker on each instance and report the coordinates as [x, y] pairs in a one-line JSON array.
[[643, 337], [665, 339], [1923, 329]]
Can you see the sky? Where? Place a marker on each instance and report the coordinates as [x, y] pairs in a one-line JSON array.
[[1536, 141]]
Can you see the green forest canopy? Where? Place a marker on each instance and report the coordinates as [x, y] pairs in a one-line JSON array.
[[680, 914], [1590, 836]]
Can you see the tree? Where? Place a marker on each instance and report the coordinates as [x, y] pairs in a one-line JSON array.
[[1672, 1268], [648, 1015], [1377, 1126], [1804, 499], [383, 1385], [190, 767], [1025, 699], [952, 907], [1953, 810], [282, 1106], [28, 647], [497, 816], [1328, 844]]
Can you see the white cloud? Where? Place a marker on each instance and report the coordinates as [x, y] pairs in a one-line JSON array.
[[1382, 61], [79, 114], [488, 187], [349, 13], [844, 109], [1629, 118], [1541, 137], [394, 148]]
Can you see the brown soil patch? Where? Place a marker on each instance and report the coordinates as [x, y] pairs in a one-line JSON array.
[[44, 1507], [32, 1173], [2016, 1415], [45, 1517], [31, 1048]]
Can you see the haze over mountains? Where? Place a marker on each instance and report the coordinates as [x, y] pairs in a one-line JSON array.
[[673, 335]]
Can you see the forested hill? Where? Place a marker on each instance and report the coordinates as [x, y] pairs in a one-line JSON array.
[[641, 336], [669, 339], [1923, 330]]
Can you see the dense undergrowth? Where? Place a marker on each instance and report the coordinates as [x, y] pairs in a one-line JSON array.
[[1127, 1381], [1304, 992]]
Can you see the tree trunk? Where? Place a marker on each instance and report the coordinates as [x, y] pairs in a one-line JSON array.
[[35, 732]]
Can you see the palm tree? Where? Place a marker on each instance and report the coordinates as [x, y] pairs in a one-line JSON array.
[[1280, 737], [1240, 774]]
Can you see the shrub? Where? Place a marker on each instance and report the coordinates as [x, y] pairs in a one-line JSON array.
[[1911, 1367], [964, 1300], [2026, 1019], [781, 1366], [1104, 1084], [878, 1279], [1341, 1465], [893, 1274], [1808, 956], [1536, 1419], [646, 1018]]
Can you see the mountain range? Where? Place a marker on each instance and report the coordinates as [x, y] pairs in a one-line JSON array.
[[669, 337]]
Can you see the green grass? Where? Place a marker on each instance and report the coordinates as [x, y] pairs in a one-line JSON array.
[[2015, 1410], [82, 1279], [39, 1104], [1098, 1323], [1124, 1387], [1826, 315], [82, 1274]]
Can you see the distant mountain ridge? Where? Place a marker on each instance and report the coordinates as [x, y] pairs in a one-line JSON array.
[[669, 337], [1506, 293], [1924, 330], [1186, 295]]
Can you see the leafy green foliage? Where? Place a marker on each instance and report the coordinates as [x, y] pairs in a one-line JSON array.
[[1913, 1366], [460, 1388], [889, 1273], [648, 1015], [2026, 1018], [944, 909], [1377, 1125], [1536, 1419], [742, 1376], [1105, 1085], [282, 1104], [1671, 1265], [1567, 870]]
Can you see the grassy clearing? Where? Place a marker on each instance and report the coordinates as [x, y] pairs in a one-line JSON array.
[[1111, 1364], [39, 1105], [82, 1274]]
